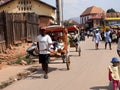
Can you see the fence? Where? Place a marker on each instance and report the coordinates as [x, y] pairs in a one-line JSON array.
[[16, 28]]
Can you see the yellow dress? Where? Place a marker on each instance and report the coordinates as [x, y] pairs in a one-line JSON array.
[[115, 73]]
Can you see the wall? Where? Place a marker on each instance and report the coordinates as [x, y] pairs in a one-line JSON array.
[[38, 8]]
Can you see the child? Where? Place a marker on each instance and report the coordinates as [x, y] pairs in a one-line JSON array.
[[60, 45], [114, 74]]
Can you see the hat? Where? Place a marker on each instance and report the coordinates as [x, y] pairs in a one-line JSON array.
[[42, 28], [114, 60]]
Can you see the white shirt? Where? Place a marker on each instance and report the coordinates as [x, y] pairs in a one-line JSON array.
[[97, 37], [44, 42], [107, 36]]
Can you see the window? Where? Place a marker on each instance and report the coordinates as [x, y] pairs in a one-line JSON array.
[[24, 5]]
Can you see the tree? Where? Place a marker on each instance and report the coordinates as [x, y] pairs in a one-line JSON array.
[[111, 10], [67, 23]]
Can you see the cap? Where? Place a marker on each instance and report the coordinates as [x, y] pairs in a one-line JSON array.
[[114, 60], [42, 28]]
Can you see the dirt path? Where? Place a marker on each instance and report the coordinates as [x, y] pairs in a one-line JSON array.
[[88, 72]]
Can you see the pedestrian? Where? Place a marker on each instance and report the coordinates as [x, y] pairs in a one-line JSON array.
[[97, 38], [44, 42], [76, 37], [118, 43], [69, 38], [114, 73], [108, 38]]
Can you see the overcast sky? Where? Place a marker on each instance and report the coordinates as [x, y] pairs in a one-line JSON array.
[[73, 8]]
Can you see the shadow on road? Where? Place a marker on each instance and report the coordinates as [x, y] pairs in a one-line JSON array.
[[76, 55], [97, 49], [109, 87], [72, 50], [39, 74]]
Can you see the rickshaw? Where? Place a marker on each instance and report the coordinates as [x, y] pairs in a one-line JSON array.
[[59, 32], [74, 42]]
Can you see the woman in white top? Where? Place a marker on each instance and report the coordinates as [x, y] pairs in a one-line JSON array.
[[97, 38], [108, 38]]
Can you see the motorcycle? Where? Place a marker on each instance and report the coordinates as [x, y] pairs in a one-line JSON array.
[[31, 50]]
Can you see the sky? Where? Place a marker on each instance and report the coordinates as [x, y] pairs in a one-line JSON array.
[[74, 8]]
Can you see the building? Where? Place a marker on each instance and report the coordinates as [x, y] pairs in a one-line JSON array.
[[92, 17], [45, 11], [111, 20]]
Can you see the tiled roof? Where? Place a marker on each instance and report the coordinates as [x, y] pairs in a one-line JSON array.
[[92, 10]]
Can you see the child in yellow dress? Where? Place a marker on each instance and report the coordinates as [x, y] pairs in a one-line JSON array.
[[114, 73]]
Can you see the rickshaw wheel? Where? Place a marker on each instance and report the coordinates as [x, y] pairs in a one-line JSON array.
[[68, 62]]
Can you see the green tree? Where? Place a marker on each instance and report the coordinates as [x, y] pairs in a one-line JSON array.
[[111, 10], [67, 23]]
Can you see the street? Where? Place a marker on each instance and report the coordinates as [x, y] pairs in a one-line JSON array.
[[87, 72]]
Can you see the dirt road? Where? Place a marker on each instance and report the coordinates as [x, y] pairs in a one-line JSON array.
[[87, 72]]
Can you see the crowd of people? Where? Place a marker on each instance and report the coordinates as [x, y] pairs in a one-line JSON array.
[[108, 36]]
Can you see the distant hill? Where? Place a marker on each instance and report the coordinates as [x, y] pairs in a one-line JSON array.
[[72, 21], [77, 19]]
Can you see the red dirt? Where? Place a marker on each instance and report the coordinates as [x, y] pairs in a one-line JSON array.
[[12, 54]]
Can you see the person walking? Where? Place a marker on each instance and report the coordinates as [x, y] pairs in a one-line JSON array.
[[114, 73], [108, 38], [44, 42], [97, 38]]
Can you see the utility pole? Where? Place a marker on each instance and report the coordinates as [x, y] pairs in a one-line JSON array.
[[62, 12], [58, 11]]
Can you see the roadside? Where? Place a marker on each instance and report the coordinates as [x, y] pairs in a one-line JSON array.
[[15, 73], [12, 53], [9, 70]]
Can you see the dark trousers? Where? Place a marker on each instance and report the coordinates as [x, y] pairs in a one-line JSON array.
[[44, 60]]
